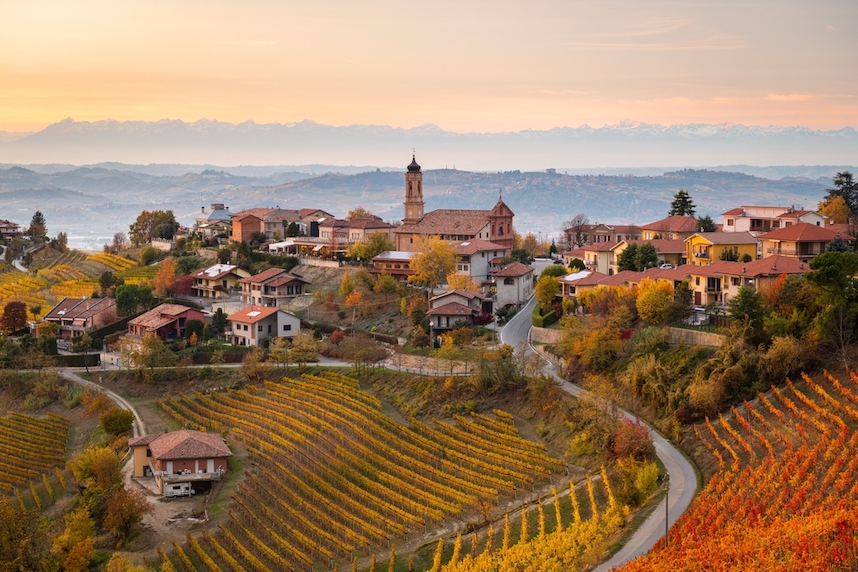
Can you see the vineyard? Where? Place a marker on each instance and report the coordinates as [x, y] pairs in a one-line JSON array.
[[335, 479], [29, 447], [112, 261], [786, 495], [21, 287]]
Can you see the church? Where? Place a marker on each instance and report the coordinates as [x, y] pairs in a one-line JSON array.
[[455, 225]]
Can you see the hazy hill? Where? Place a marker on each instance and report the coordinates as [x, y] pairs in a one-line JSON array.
[[93, 203]]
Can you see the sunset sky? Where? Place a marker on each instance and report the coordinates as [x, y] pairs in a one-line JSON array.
[[464, 66]]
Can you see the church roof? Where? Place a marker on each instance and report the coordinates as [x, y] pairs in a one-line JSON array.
[[413, 167], [448, 221]]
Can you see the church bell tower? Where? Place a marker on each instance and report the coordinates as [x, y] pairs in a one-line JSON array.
[[413, 194]]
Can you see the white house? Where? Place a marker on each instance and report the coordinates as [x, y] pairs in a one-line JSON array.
[[255, 323], [514, 283]]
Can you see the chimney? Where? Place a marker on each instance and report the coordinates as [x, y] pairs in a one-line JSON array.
[[202, 210], [774, 266]]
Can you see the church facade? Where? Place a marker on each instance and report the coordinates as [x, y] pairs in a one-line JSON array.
[[455, 225]]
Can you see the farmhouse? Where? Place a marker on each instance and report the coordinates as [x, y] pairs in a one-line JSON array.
[[166, 321], [180, 461]]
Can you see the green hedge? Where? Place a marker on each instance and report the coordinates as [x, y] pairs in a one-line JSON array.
[[285, 262], [541, 320]]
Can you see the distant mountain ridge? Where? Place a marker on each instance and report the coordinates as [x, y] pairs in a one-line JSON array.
[[307, 142]]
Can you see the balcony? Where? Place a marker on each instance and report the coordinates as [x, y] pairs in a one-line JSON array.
[[188, 477]]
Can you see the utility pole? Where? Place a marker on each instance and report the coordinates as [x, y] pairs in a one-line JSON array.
[[667, 510]]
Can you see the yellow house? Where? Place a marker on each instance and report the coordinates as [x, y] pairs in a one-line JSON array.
[[703, 248]]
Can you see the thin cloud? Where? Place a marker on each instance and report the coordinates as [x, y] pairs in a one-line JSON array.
[[248, 43], [789, 97]]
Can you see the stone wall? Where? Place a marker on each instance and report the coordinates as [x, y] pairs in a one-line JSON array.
[[546, 335], [693, 337]]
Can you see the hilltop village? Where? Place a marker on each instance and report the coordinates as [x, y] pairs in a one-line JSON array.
[[280, 389]]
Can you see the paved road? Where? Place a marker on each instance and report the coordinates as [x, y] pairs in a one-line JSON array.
[[683, 479], [139, 428]]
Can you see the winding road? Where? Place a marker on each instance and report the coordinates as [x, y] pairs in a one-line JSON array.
[[683, 479], [138, 427]]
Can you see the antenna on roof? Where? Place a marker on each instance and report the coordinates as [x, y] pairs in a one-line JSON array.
[[500, 194]]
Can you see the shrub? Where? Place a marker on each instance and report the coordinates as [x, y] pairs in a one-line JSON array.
[[632, 439], [116, 421], [638, 479]]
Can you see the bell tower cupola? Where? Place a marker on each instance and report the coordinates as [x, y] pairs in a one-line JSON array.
[[413, 193]]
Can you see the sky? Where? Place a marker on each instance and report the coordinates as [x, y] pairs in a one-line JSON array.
[[463, 66]]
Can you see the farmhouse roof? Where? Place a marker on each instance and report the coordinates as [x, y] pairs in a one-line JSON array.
[[804, 232], [159, 316], [187, 444], [514, 269], [451, 309]]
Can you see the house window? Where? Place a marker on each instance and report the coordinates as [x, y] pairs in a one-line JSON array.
[[697, 280], [259, 328], [287, 327], [148, 452], [729, 222], [508, 281], [245, 327]]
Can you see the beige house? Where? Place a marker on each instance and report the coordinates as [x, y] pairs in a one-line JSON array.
[[514, 284], [271, 287], [182, 462], [217, 281], [252, 325], [586, 234], [802, 241], [760, 219]]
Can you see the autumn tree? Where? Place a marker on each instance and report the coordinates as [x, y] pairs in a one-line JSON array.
[[278, 351], [116, 421], [655, 302], [370, 247], [547, 288], [347, 285], [151, 353], [76, 544], [84, 344], [305, 348], [433, 260], [681, 204], [836, 209], [359, 212], [385, 284], [125, 508], [846, 188], [353, 301], [458, 281], [152, 224], [14, 316], [530, 244], [166, 276]]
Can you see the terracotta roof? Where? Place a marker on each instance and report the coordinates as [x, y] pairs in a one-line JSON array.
[[577, 253], [449, 221], [451, 309], [843, 229], [676, 223], [469, 294], [214, 272], [599, 247], [259, 213], [280, 215], [159, 316], [62, 308], [187, 444], [262, 276], [770, 266], [285, 279], [804, 232], [727, 237], [475, 245], [144, 440], [307, 212], [734, 212], [796, 214], [252, 314], [514, 269]]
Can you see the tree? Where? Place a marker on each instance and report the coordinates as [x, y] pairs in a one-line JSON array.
[[385, 284], [124, 510], [108, 280], [729, 254], [120, 241], [223, 255], [144, 228], [552, 250], [370, 247], [530, 244], [243, 256], [132, 298], [292, 230], [646, 257], [84, 345], [573, 231], [38, 227], [457, 281], [152, 353], [359, 212], [61, 242], [846, 188], [347, 285], [166, 276], [79, 532], [836, 209], [837, 245], [706, 224], [353, 301], [278, 351], [219, 322], [305, 348], [655, 302], [149, 255], [681, 204], [747, 306], [14, 317], [628, 258], [433, 260], [547, 288], [116, 421]]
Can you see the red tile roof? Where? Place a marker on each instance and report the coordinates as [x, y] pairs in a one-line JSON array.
[[734, 212], [599, 246], [770, 266], [795, 214], [468, 294], [514, 269], [449, 221], [676, 223], [451, 309], [160, 316], [476, 245], [187, 444], [804, 232], [252, 314]]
